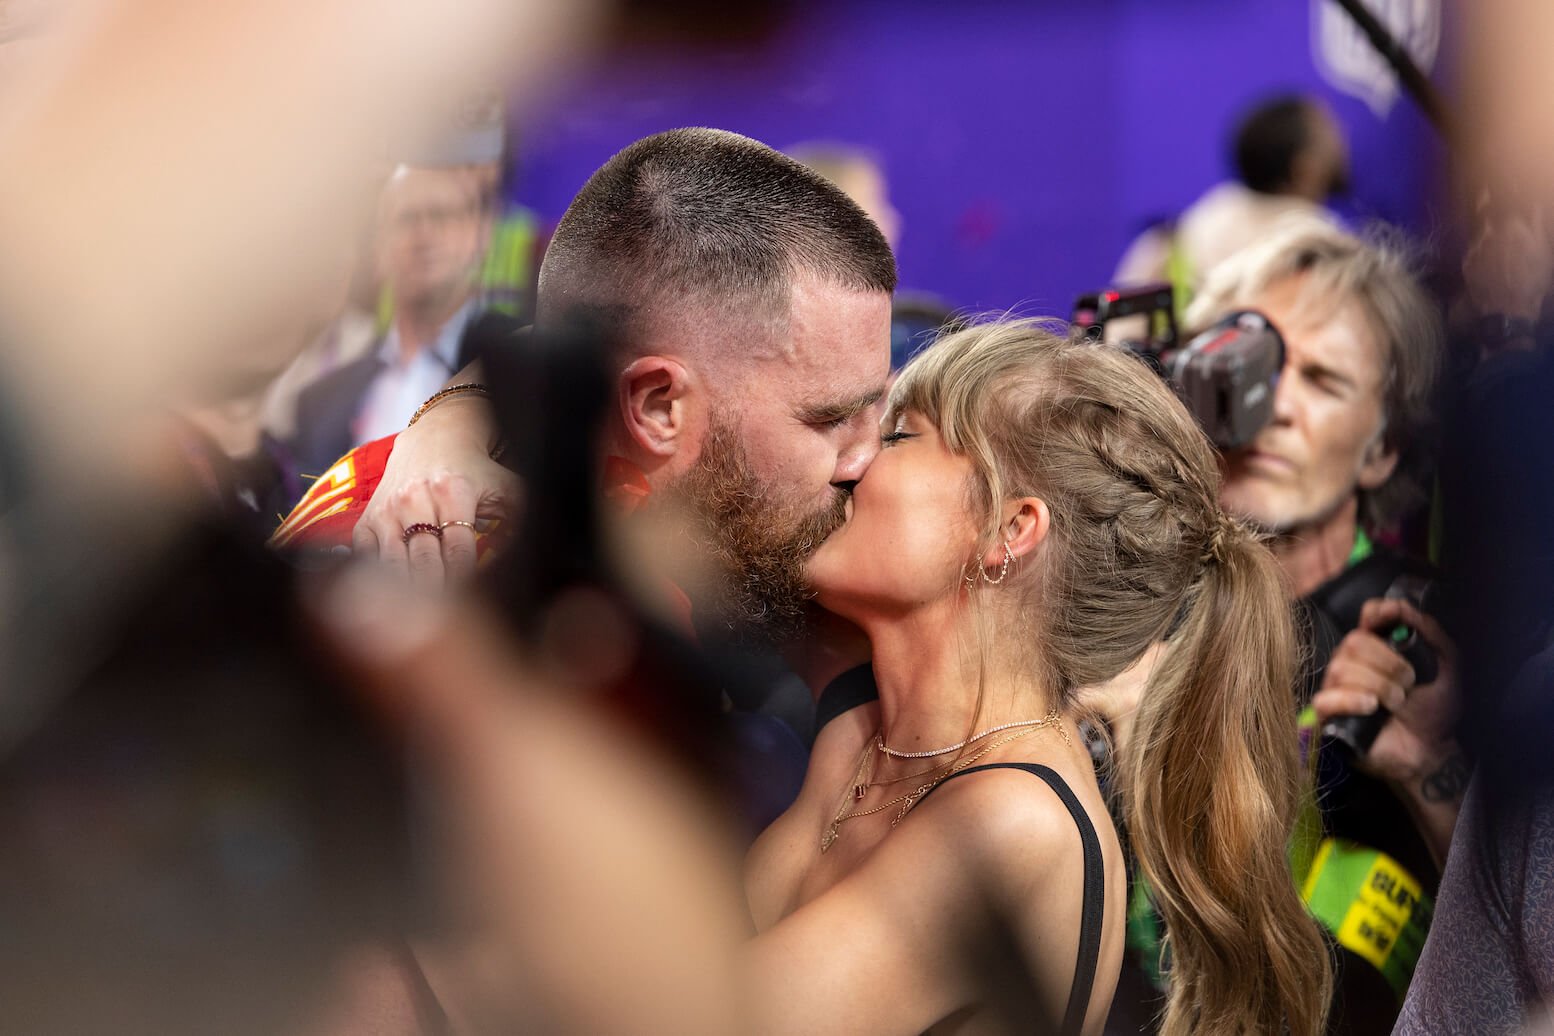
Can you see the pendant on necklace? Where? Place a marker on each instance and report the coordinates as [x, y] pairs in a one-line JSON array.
[[859, 791], [828, 838]]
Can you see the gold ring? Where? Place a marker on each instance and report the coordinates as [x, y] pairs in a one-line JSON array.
[[468, 525]]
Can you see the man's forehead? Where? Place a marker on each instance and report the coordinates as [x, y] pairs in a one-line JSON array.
[[1322, 328], [842, 329], [415, 189]]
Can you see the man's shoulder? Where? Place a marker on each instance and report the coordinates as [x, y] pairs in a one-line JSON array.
[[346, 377]]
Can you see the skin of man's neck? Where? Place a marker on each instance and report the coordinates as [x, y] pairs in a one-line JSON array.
[[1315, 553]]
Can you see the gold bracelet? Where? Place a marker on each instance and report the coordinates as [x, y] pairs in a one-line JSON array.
[[451, 390]]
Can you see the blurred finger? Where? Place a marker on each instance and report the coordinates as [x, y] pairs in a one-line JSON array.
[[424, 550], [1356, 676], [459, 549], [454, 500], [1335, 702], [1381, 613], [1427, 626], [425, 669], [364, 541], [1363, 648]]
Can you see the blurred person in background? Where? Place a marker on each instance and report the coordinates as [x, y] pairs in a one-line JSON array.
[[917, 317], [1289, 157], [482, 149], [246, 471], [509, 278], [345, 339], [479, 148], [431, 241], [1488, 965], [859, 175]]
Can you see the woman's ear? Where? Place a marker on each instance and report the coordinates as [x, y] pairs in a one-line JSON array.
[[1025, 526], [655, 404]]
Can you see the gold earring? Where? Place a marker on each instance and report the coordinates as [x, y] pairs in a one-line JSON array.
[[1003, 571]]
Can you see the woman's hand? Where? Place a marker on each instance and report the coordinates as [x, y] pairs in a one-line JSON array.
[[1117, 699], [440, 472]]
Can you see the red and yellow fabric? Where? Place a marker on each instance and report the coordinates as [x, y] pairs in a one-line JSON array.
[[327, 514]]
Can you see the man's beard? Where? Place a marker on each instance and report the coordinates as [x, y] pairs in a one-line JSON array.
[[756, 545]]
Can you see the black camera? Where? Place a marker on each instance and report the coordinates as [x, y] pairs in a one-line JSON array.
[[1226, 375]]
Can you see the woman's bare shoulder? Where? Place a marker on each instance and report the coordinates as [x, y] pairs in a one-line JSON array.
[[1012, 828]]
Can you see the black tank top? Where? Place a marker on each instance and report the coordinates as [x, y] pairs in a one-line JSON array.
[[1092, 909]]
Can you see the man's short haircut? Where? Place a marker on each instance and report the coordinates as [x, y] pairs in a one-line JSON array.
[[1376, 274], [1268, 139], [702, 217]]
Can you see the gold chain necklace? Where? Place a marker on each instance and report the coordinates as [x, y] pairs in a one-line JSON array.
[[860, 783], [879, 740]]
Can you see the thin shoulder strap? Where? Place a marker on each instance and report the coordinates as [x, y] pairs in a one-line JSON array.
[[1092, 910]]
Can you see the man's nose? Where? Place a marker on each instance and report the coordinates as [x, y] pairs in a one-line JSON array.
[[855, 459], [1284, 401]]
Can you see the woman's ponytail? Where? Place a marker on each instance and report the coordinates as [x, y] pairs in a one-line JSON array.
[[1212, 792]]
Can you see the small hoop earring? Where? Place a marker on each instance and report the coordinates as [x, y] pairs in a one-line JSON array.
[[1003, 572]]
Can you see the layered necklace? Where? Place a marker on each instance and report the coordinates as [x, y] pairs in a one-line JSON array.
[[863, 778]]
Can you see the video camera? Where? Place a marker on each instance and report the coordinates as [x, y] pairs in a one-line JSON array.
[[1226, 375]]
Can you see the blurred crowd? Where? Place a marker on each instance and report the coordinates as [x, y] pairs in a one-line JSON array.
[[430, 618]]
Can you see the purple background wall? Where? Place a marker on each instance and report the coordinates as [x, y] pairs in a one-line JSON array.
[[1025, 143]]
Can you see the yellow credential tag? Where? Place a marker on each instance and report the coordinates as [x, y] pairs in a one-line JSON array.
[[1372, 905], [1377, 916]]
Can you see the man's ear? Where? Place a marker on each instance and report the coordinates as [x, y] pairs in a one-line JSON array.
[[1025, 526], [1378, 462], [657, 397]]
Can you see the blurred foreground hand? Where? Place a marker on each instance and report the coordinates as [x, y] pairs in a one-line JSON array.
[[175, 175], [596, 892]]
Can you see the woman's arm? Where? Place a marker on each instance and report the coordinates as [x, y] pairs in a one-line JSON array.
[[441, 472]]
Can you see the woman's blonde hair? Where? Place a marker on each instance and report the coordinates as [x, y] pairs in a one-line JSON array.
[[1138, 551]]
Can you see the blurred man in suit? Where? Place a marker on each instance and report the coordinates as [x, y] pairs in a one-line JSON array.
[[432, 237]]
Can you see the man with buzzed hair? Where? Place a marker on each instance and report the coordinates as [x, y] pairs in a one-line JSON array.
[[750, 299]]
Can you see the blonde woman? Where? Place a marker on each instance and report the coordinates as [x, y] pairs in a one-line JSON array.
[[1041, 513]]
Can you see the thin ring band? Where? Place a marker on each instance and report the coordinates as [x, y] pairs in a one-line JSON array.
[[468, 525], [419, 527]]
